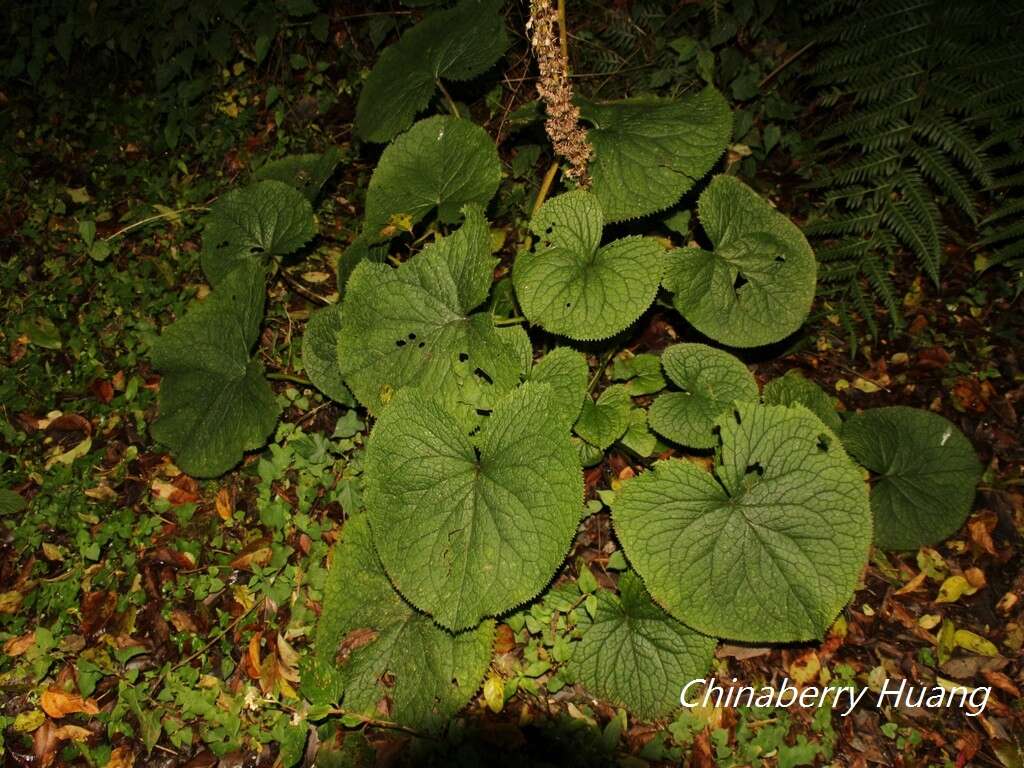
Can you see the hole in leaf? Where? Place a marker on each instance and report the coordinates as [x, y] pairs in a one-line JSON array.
[[400, 343], [568, 304], [256, 249], [739, 282], [412, 337], [824, 443], [736, 415], [755, 469], [463, 357], [422, 344], [483, 375]]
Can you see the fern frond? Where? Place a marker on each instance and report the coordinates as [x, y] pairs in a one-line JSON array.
[[953, 138], [936, 167]]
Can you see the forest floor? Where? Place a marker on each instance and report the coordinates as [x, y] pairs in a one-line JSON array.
[[182, 609]]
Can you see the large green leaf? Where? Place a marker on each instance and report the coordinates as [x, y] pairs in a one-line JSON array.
[[603, 421], [215, 403], [566, 371], [443, 163], [649, 152], [710, 380], [456, 44], [636, 655], [925, 469], [757, 286], [254, 223], [320, 354], [769, 547], [471, 527], [571, 284], [793, 388], [390, 661], [307, 173], [11, 502], [413, 325]]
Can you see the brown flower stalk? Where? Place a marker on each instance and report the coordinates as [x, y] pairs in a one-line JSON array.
[[563, 127]]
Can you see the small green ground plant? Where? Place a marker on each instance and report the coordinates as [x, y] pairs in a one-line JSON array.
[[486, 408]]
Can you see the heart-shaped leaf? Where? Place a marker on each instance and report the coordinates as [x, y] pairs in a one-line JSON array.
[[757, 286], [391, 662], [307, 173], [572, 285], [925, 473], [710, 380], [638, 438], [642, 373], [603, 421], [455, 44], [413, 325], [649, 152], [636, 655], [320, 354], [214, 401], [471, 527], [443, 163], [565, 370], [252, 224], [793, 389], [768, 547]]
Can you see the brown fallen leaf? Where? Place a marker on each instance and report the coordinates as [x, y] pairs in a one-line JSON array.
[[121, 757], [354, 640], [256, 556], [225, 504], [57, 703], [182, 621], [18, 645], [913, 585], [505, 639]]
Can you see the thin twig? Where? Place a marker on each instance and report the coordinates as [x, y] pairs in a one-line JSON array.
[[151, 219], [607, 358], [789, 60], [303, 289]]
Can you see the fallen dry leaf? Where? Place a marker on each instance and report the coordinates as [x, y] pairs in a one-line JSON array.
[[18, 645], [122, 757], [57, 703]]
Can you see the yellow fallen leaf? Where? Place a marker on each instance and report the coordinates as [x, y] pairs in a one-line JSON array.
[[494, 692], [57, 703], [947, 641], [929, 621], [954, 588], [805, 669], [26, 722], [868, 387], [974, 643], [913, 585], [69, 456], [10, 601]]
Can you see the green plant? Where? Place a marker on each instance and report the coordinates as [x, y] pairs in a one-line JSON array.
[[923, 91], [473, 483]]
